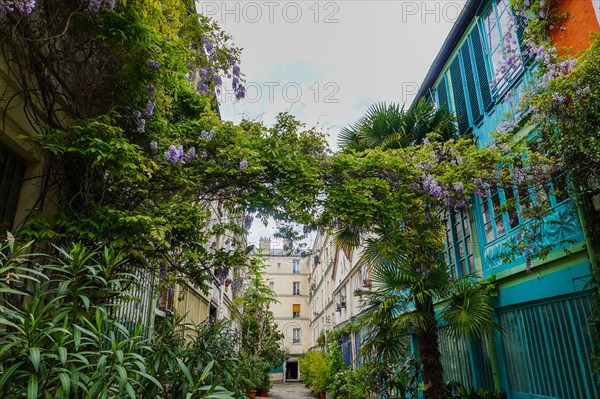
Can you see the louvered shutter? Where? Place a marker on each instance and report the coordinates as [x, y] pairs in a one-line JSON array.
[[482, 76], [442, 94], [460, 101], [471, 87]]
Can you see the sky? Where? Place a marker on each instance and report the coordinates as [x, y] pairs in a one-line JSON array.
[[326, 62]]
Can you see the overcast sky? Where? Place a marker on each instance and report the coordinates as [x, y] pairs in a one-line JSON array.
[[326, 62]]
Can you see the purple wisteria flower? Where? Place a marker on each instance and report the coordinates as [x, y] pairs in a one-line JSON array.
[[153, 147], [236, 70], [137, 114], [94, 6], [149, 109], [240, 92], [432, 187], [174, 154], [208, 135], [152, 64], [558, 97], [190, 154], [218, 80], [209, 47], [151, 92], [141, 125], [201, 87], [203, 73], [25, 7], [459, 187], [243, 164]]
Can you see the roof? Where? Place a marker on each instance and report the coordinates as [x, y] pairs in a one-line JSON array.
[[456, 33]]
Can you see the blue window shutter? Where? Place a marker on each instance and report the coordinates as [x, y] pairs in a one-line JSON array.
[[442, 94], [471, 87], [460, 101], [482, 76]]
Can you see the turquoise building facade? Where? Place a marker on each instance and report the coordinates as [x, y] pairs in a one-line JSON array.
[[545, 347]]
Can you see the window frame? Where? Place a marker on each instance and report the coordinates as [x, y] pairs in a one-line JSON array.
[[499, 90], [296, 338]]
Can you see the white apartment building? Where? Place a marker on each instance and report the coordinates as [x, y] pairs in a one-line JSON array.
[[287, 275], [335, 275]]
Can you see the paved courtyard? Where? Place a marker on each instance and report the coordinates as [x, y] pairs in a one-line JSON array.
[[290, 390]]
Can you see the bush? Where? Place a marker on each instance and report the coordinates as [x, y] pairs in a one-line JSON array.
[[351, 384], [64, 341], [313, 368]]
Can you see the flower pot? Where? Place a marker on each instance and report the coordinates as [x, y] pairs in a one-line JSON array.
[[252, 394], [263, 394], [322, 395]]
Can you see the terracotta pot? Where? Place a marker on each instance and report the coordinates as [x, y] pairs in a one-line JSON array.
[[263, 394], [252, 394], [322, 395]]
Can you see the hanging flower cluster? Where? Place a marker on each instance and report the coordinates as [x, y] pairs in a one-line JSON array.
[[175, 154], [24, 7], [94, 6], [512, 56], [224, 66]]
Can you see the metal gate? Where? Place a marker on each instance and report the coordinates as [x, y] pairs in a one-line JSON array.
[[547, 348]]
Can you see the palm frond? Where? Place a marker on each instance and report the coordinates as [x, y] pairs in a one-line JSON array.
[[347, 238], [468, 310]]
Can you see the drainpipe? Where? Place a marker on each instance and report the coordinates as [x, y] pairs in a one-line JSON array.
[[492, 352]]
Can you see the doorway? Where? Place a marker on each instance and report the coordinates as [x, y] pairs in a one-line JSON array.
[[291, 371]]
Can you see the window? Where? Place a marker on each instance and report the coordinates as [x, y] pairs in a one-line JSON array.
[[12, 171], [272, 285], [458, 253], [296, 311], [278, 264], [296, 266], [357, 280], [296, 288], [496, 26], [296, 334], [506, 209]]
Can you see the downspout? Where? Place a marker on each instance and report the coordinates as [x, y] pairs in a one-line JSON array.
[[588, 242]]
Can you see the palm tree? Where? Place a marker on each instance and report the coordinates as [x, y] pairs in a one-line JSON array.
[[404, 299], [390, 126], [405, 259]]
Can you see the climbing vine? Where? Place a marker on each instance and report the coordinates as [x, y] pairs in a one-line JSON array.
[[120, 95]]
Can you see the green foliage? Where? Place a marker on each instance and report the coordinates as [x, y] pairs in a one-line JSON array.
[[261, 342], [350, 383], [109, 181], [64, 341], [313, 368], [390, 126], [335, 365]]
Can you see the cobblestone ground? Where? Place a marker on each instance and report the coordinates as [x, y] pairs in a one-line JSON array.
[[291, 390]]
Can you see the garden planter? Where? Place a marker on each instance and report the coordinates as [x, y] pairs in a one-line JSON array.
[[263, 394], [252, 394], [322, 395]]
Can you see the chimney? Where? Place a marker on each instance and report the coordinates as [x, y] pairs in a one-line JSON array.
[[264, 246]]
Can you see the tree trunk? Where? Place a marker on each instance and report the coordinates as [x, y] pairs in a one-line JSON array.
[[433, 373]]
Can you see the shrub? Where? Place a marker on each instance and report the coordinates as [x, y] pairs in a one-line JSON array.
[[313, 368], [64, 341]]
